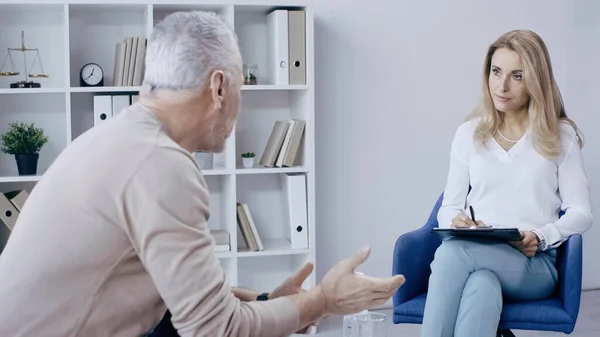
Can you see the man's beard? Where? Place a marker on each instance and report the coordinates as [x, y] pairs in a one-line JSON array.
[[216, 140]]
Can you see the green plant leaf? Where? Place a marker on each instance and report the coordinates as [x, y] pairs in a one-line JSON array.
[[23, 138]]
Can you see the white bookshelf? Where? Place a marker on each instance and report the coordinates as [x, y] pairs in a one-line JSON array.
[[70, 34]]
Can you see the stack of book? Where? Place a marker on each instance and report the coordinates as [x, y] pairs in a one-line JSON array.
[[129, 62], [248, 228], [222, 241], [283, 144]]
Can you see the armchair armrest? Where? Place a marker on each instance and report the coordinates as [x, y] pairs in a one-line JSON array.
[[569, 265], [413, 253]]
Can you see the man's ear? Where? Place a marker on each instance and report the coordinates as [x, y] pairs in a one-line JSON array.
[[217, 79]]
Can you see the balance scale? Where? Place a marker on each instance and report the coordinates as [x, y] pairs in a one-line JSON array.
[[26, 83]]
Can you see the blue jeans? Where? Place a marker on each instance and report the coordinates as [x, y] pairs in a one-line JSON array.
[[470, 279]]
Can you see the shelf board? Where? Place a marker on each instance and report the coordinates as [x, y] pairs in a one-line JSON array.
[[11, 91], [258, 6], [189, 6], [87, 6], [129, 89], [19, 179], [271, 170], [224, 255], [265, 87], [215, 172], [104, 89], [273, 247]]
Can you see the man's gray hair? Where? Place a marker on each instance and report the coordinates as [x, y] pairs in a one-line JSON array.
[[185, 47]]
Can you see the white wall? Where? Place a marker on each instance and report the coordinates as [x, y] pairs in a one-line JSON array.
[[395, 79]]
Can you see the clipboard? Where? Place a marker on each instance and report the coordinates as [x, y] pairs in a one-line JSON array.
[[490, 233]]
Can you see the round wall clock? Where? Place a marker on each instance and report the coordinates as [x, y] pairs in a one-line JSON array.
[[91, 75]]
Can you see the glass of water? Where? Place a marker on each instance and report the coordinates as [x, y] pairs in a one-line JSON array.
[[365, 324]]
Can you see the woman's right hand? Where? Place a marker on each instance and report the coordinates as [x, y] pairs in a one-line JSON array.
[[462, 220]]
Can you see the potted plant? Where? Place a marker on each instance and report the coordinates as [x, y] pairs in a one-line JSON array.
[[248, 159], [24, 141]]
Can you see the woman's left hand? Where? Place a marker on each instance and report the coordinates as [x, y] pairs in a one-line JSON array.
[[528, 244]]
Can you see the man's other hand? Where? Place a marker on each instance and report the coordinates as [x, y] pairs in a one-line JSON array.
[[293, 285]]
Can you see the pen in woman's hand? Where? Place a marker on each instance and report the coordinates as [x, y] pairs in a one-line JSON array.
[[472, 214], [476, 222]]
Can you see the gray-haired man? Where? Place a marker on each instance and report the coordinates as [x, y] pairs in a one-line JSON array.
[[115, 232]]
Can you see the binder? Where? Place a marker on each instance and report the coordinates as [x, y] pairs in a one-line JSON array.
[[277, 47], [297, 46], [102, 109], [8, 212], [17, 198], [119, 102], [294, 189]]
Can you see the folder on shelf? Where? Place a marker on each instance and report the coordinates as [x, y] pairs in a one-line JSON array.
[[8, 212], [294, 189], [286, 47], [119, 102], [17, 198], [102, 108], [277, 47], [297, 46]]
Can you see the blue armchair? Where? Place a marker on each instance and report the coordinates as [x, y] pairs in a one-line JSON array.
[[414, 252]]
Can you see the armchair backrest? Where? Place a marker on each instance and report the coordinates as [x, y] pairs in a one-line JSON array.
[[432, 221]]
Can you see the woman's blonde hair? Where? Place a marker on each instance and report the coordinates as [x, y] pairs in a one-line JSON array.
[[545, 105]]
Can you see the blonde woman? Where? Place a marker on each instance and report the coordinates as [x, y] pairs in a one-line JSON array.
[[521, 156]]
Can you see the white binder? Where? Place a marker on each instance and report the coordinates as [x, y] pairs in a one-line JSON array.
[[277, 47], [297, 46], [119, 102], [102, 108], [294, 189]]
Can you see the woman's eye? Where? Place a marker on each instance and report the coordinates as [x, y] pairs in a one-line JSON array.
[[518, 77]]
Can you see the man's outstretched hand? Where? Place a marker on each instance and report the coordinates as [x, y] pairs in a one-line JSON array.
[[346, 292], [343, 291]]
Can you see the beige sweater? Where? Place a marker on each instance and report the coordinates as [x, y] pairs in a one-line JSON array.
[[113, 234]]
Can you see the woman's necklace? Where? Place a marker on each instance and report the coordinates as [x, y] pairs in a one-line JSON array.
[[503, 136]]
